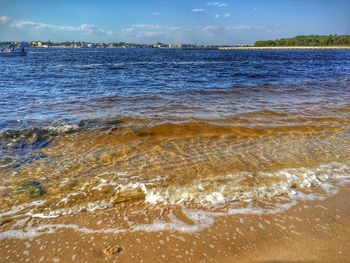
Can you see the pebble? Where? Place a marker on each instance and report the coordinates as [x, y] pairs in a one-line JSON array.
[[110, 250]]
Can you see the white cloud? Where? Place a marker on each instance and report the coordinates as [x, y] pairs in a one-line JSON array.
[[84, 28], [4, 19], [142, 33], [155, 13], [147, 26], [224, 15], [206, 34], [148, 29], [198, 10], [230, 28], [93, 29], [156, 33], [217, 4]]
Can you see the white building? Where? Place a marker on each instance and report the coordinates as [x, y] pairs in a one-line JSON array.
[[175, 45]]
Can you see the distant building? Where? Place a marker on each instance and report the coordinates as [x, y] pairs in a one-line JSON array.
[[40, 44], [175, 45]]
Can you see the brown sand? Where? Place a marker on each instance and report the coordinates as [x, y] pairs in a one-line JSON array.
[[312, 231]]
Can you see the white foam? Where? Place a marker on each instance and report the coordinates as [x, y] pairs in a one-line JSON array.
[[20, 208], [202, 221], [207, 193], [90, 207], [61, 128], [214, 192]]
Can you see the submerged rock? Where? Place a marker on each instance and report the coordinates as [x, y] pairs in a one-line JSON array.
[[32, 188]]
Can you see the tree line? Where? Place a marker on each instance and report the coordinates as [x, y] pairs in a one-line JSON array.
[[310, 40]]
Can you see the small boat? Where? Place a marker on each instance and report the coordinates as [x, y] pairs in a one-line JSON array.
[[13, 53]]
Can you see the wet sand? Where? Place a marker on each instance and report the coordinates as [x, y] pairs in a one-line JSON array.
[[311, 231]]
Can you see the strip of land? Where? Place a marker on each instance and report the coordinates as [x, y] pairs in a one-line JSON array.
[[285, 47], [298, 42]]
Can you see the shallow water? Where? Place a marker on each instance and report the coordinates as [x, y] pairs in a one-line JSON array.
[[88, 129]]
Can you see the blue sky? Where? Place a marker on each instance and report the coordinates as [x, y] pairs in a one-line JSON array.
[[176, 21]]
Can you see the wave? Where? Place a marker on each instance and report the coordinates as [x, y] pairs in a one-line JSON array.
[[18, 146], [288, 184], [259, 122], [93, 66], [293, 186], [101, 162], [199, 128]]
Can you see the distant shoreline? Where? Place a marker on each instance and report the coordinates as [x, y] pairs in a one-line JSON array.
[[219, 48], [307, 42], [284, 47]]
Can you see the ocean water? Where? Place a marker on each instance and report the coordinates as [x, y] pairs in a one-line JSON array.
[[86, 129]]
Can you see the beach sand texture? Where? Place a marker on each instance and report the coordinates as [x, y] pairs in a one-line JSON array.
[[311, 231]]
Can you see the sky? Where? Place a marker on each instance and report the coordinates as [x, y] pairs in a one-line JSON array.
[[230, 22]]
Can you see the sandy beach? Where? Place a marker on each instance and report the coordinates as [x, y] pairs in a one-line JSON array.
[[311, 231]]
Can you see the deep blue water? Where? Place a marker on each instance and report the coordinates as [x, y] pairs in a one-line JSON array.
[[69, 85]]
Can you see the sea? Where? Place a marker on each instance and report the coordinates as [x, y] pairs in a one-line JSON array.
[[214, 132]]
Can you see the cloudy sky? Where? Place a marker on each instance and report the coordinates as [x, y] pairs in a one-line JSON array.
[[176, 21]]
